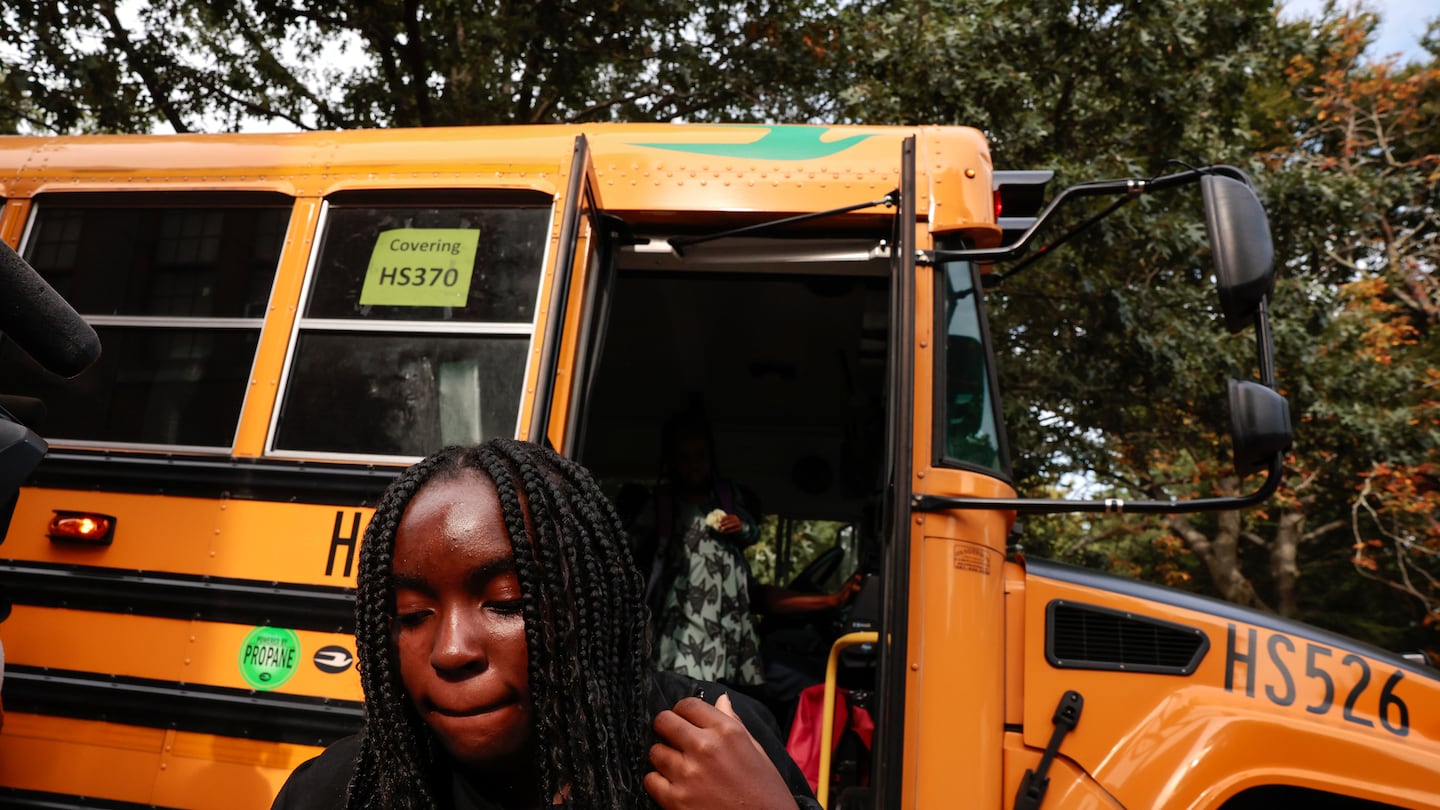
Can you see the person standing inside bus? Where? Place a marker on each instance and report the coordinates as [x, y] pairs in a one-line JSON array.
[[503, 651], [700, 589]]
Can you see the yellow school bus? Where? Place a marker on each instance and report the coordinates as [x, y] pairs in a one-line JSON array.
[[289, 319]]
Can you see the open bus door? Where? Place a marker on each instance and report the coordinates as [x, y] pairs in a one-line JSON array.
[[574, 313], [895, 532]]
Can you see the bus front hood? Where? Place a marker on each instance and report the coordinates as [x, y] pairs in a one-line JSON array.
[[1190, 700]]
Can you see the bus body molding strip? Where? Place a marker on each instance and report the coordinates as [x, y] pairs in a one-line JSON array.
[[21, 799], [320, 608], [269, 480], [297, 719]]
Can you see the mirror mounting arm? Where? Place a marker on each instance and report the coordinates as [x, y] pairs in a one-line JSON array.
[[1130, 187], [1048, 506]]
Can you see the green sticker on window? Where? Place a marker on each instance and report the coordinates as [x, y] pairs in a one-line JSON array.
[[420, 267], [269, 656]]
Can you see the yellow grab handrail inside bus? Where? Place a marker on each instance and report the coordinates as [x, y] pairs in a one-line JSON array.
[[827, 721]]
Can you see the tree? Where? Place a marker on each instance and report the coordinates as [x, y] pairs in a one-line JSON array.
[[1367, 153], [130, 67], [1349, 169], [1342, 151]]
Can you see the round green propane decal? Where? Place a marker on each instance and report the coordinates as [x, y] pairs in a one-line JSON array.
[[269, 656]]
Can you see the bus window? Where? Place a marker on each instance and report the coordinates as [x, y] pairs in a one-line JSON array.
[[176, 286], [968, 416], [415, 328], [812, 556]]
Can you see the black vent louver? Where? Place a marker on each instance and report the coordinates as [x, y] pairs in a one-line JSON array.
[[1080, 636]]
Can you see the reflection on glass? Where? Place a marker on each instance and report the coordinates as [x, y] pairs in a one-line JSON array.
[[509, 249], [208, 262], [162, 386], [968, 413], [400, 395], [175, 285], [372, 373]]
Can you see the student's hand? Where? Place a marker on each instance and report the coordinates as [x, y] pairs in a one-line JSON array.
[[706, 758], [730, 524]]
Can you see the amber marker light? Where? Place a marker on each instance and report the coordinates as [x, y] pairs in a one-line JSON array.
[[90, 528]]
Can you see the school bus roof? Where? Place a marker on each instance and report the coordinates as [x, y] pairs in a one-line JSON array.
[[637, 167]]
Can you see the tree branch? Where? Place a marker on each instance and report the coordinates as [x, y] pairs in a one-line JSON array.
[[159, 95]]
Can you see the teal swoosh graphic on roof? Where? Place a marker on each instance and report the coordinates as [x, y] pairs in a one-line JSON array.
[[778, 143]]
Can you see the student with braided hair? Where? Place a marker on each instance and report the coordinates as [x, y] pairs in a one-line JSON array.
[[503, 652]]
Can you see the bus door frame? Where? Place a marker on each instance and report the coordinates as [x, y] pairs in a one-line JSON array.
[[889, 780], [578, 309]]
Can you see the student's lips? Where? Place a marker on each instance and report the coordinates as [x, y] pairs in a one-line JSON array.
[[470, 710]]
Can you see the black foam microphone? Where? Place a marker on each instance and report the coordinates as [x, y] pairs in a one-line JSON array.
[[40, 321]]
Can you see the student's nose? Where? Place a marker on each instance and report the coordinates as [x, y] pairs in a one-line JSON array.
[[460, 643]]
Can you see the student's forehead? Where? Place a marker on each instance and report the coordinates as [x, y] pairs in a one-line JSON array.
[[459, 512]]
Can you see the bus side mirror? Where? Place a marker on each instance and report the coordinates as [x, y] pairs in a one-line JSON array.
[[1259, 425], [1240, 241]]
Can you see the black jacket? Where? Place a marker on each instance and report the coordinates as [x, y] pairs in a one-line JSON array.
[[322, 782]]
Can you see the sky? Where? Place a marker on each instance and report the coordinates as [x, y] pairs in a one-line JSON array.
[[1402, 22]]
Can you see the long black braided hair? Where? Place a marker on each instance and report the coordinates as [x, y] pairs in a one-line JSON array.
[[585, 626]]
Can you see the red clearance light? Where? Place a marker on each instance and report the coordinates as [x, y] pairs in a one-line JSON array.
[[999, 205], [82, 527]]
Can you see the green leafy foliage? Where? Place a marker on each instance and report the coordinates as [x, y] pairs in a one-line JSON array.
[[132, 67]]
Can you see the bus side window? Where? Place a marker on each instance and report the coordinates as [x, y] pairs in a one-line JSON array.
[[176, 285], [415, 328], [970, 424]]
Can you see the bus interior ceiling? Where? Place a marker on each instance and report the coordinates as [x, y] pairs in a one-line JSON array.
[[782, 343]]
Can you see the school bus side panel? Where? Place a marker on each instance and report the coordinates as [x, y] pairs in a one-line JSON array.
[[128, 673], [162, 615]]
